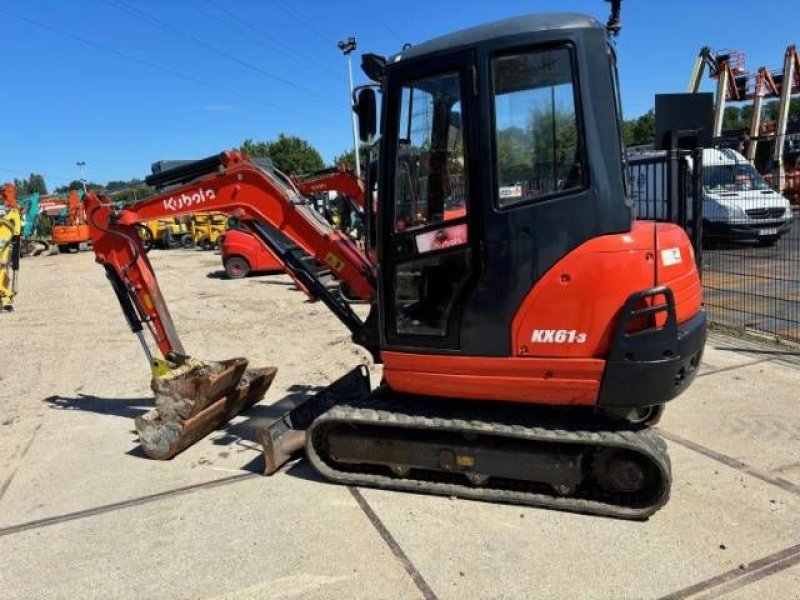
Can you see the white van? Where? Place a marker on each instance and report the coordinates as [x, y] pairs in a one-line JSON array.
[[738, 204]]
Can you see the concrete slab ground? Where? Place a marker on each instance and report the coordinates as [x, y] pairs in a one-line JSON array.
[[83, 514]]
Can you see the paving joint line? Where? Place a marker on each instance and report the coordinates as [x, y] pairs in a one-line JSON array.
[[735, 367], [734, 463], [743, 575], [398, 552], [139, 501], [7, 483]]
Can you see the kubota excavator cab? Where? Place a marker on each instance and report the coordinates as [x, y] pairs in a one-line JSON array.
[[505, 228]]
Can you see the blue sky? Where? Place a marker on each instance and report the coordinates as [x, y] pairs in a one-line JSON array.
[[169, 79]]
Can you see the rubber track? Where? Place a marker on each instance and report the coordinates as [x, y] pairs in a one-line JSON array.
[[512, 423]]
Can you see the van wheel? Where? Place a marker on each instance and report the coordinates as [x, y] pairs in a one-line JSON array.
[[769, 241], [236, 267], [709, 241]]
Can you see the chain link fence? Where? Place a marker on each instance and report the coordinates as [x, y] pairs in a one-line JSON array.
[[748, 244]]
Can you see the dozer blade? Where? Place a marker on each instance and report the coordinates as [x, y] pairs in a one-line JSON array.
[[285, 438], [196, 397]]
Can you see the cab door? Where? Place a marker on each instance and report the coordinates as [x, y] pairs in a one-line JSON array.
[[429, 240]]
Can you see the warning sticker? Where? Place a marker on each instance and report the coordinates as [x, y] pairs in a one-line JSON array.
[[334, 262], [510, 191], [671, 256]]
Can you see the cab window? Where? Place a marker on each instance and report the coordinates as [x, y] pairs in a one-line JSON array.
[[430, 171], [537, 146]]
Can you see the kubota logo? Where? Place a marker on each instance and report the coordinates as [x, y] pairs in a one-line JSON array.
[[558, 336], [174, 203]]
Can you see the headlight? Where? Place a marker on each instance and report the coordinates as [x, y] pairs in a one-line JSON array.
[[730, 212]]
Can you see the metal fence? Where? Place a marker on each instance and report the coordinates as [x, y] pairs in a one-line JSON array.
[[748, 245]]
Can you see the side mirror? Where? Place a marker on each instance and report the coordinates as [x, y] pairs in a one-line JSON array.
[[374, 67], [365, 108]]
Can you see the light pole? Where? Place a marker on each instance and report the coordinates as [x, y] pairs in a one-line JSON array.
[[347, 47], [81, 164]]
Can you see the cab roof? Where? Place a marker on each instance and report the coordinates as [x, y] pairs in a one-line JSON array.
[[499, 29]]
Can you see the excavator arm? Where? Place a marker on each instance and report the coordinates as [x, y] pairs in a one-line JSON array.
[[232, 184], [337, 179], [194, 396]]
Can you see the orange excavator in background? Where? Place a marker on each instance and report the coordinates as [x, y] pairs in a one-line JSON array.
[[73, 231], [530, 330], [242, 251], [335, 179]]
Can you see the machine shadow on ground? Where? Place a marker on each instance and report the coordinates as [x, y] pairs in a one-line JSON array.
[[242, 433]]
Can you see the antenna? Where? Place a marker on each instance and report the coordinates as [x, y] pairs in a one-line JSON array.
[[614, 25]]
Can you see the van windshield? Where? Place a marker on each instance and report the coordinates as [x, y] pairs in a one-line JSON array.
[[741, 177]]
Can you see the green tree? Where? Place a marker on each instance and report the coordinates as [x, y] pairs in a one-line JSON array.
[[515, 154], [116, 185], [732, 118], [33, 183], [347, 158], [255, 149], [794, 109], [642, 130], [77, 184], [746, 115], [131, 193], [289, 153], [771, 110]]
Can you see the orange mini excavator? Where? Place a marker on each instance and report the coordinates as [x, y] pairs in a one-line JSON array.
[[70, 234], [530, 330], [242, 250]]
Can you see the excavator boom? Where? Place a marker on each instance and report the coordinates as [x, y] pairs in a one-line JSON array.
[[337, 179], [228, 183]]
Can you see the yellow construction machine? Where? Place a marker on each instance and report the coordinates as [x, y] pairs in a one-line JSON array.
[[165, 234], [10, 244], [205, 230]]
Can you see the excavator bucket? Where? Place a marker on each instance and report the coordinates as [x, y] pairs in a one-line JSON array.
[[194, 398]]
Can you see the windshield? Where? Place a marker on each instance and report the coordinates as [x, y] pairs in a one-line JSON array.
[[430, 170], [538, 149], [741, 177]]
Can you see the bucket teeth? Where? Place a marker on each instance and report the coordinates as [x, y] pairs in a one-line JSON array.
[[195, 397]]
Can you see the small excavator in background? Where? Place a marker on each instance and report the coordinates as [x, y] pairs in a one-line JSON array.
[[530, 330], [72, 230], [10, 247], [243, 252], [33, 241]]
